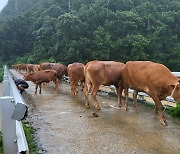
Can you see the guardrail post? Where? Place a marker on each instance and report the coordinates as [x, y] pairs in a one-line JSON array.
[[8, 125]]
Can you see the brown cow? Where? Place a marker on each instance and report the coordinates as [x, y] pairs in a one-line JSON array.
[[29, 68], [152, 78], [36, 68], [102, 73], [60, 69], [42, 76], [15, 66], [32, 68], [76, 74], [45, 66], [22, 67]]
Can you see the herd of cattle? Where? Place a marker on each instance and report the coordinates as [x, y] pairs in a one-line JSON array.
[[152, 78]]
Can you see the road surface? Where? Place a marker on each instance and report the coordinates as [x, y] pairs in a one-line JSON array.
[[65, 126]]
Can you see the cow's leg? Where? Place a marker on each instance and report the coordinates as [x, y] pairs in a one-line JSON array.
[[71, 82], [119, 93], [36, 88], [75, 88], [86, 92], [159, 107], [40, 88], [135, 93], [156, 110], [72, 87], [56, 82], [126, 98], [82, 85], [94, 93]]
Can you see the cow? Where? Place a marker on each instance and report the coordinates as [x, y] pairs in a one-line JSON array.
[[15, 66], [22, 67], [60, 69], [36, 68], [152, 78], [102, 73], [76, 74], [29, 68], [42, 76], [45, 66]]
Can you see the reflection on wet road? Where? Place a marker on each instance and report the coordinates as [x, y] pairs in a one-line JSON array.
[[64, 125]]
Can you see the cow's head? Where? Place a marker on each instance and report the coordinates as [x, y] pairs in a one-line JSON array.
[[176, 93], [26, 77]]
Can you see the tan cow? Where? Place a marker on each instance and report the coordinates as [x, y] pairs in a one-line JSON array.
[[36, 68], [76, 74], [152, 78], [22, 67], [102, 73], [42, 76], [15, 66], [32, 68], [29, 68]]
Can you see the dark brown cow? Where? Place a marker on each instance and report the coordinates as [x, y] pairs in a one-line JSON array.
[[42, 76], [76, 74], [45, 66], [60, 69], [152, 78], [102, 73]]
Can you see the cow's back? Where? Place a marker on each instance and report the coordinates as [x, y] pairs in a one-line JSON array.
[[104, 72], [76, 71], [142, 75], [59, 68], [45, 66]]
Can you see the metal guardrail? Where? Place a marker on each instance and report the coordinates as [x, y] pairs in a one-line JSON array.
[[177, 74], [12, 109]]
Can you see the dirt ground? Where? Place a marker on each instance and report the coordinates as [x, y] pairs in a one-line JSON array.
[[65, 126]]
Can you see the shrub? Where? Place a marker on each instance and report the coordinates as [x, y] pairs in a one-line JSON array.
[[1, 74], [174, 111]]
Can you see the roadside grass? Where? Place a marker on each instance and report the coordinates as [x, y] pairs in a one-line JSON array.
[[1, 73], [174, 111], [1, 144], [29, 132]]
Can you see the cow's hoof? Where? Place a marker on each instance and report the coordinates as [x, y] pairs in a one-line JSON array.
[[126, 109], [138, 111], [87, 106], [120, 106], [163, 122], [98, 108]]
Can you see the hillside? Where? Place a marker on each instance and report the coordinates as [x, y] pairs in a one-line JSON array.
[[66, 31]]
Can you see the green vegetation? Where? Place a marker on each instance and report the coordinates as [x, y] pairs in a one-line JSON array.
[[29, 132], [1, 144], [174, 111], [69, 31], [1, 74]]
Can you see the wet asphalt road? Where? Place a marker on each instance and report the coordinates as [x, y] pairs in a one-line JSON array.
[[65, 126]]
